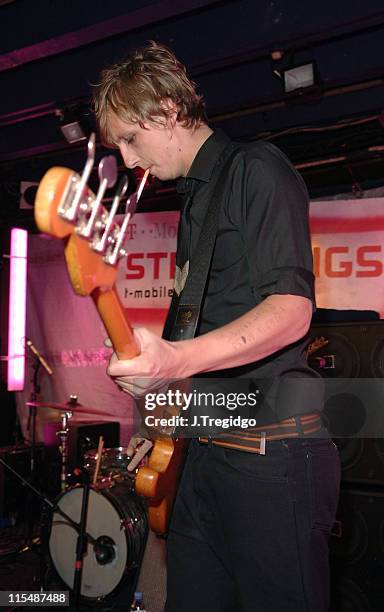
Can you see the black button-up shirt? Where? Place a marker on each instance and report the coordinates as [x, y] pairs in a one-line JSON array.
[[262, 248]]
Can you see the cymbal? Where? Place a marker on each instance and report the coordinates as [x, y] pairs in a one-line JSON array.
[[62, 407]]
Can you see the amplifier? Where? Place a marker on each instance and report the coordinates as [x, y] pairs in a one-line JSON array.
[[357, 552], [350, 358], [348, 350]]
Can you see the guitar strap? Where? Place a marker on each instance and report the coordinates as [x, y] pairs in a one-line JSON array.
[[184, 311]]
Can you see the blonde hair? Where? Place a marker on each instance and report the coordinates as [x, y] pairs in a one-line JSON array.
[[136, 90]]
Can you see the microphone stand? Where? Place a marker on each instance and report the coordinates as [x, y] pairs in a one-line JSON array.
[[31, 427], [82, 536], [53, 506], [35, 390]]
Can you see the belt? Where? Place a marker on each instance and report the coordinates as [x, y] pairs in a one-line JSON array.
[[253, 440]]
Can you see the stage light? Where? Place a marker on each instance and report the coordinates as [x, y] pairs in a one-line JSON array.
[[74, 122], [17, 310], [299, 77], [73, 132]]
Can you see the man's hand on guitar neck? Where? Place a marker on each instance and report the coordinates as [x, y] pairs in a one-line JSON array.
[[268, 327], [158, 363]]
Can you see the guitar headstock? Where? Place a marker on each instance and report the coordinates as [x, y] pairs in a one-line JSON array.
[[66, 208]]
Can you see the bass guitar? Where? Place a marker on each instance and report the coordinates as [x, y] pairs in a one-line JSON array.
[[94, 243]]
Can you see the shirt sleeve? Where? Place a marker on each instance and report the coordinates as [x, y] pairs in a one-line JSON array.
[[277, 238]]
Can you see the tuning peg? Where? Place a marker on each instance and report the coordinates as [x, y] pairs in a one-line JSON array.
[[107, 171], [130, 209], [68, 209], [131, 205], [100, 245]]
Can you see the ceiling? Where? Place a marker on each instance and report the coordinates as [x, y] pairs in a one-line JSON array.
[[51, 52]]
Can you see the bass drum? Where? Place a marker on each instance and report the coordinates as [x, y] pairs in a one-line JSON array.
[[118, 516]]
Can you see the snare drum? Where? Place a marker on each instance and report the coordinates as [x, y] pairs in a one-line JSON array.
[[116, 513], [113, 466]]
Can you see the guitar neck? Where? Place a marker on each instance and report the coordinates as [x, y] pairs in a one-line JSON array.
[[89, 273], [116, 322]]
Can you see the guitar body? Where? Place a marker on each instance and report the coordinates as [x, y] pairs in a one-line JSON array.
[[91, 276], [158, 480]]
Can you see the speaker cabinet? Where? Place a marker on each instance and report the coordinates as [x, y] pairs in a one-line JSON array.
[[348, 350], [362, 460], [350, 358], [357, 552]]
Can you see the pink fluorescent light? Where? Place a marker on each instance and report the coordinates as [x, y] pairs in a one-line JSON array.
[[17, 308]]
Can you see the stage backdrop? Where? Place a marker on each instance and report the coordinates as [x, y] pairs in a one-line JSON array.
[[347, 245]]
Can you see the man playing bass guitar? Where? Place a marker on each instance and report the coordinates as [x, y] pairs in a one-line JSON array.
[[258, 494]]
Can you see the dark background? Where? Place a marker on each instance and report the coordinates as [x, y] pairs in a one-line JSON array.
[[51, 52]]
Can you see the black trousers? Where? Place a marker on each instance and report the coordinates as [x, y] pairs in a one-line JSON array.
[[250, 532]]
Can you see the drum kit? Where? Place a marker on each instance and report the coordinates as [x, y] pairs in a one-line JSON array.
[[113, 464], [97, 528]]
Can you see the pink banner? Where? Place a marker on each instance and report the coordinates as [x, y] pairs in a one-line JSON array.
[[347, 243]]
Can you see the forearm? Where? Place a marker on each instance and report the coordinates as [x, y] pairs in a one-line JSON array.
[[275, 323]]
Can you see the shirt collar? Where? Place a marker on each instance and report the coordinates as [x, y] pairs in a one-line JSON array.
[[205, 161]]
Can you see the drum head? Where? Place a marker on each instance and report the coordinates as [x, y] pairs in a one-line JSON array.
[[103, 520]]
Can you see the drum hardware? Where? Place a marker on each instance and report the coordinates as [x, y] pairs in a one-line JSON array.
[[67, 410], [43, 498], [103, 546], [63, 435], [72, 406], [122, 548], [118, 552], [114, 549], [82, 537]]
